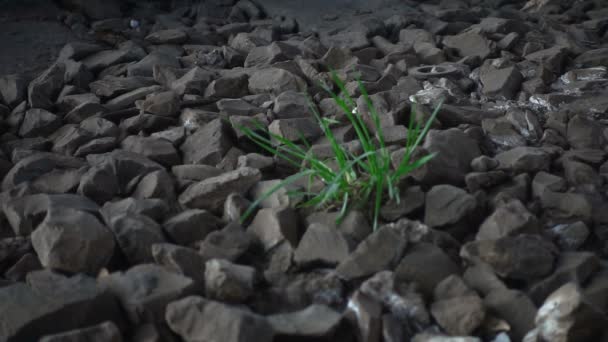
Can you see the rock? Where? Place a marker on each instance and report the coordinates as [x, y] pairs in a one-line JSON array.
[[577, 174], [39, 122], [592, 58], [584, 133], [321, 245], [135, 234], [429, 337], [29, 312], [193, 82], [112, 86], [156, 184], [566, 315], [211, 193], [454, 151], [104, 332], [296, 129], [127, 99], [43, 91], [273, 226], [514, 307], [570, 236], [72, 241], [180, 260], [13, 89], [228, 87], [476, 181], [165, 104], [170, 36], [315, 321], [158, 150], [190, 226], [195, 172], [502, 133], [275, 81], [553, 58], [502, 84], [145, 290], [145, 67], [544, 181], [156, 209], [292, 104], [520, 257], [459, 315], [266, 55], [228, 282], [411, 201], [127, 52], [447, 204], [237, 107], [198, 319], [510, 219], [208, 145], [411, 268], [566, 206], [469, 44], [228, 243], [575, 267], [524, 159]]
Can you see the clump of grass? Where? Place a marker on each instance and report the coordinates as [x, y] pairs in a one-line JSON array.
[[358, 180]]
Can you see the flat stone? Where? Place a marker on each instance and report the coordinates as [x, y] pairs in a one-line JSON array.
[[182, 260], [197, 319], [43, 91], [524, 159], [510, 219], [35, 167], [228, 282], [193, 82], [500, 84], [39, 122], [459, 316], [128, 99], [315, 321], [112, 86], [145, 67], [273, 226], [447, 204], [275, 81], [321, 245], [229, 243], [170, 36], [292, 104], [104, 332], [211, 193], [154, 208], [470, 44], [294, 129], [134, 235], [208, 145], [158, 150]]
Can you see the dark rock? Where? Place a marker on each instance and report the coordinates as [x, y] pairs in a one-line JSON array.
[[198, 319], [211, 193], [145, 290], [566, 206], [470, 44], [584, 133], [592, 58], [292, 104], [411, 200], [321, 245], [127, 99], [510, 219], [296, 129], [228, 282], [193, 82], [30, 312], [275, 81], [514, 307], [34, 168], [500, 84], [524, 159], [145, 67], [43, 91], [544, 181], [103, 332], [273, 226], [208, 145], [39, 122], [170, 36], [315, 321], [459, 316], [127, 52], [228, 87], [135, 234], [13, 89], [158, 150], [411, 267], [521, 257], [229, 243], [65, 233], [447, 204], [570, 236], [155, 208], [180, 260], [165, 104], [365, 313], [112, 86]]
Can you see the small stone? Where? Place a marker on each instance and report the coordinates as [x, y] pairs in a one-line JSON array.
[[135, 234], [365, 313], [43, 91], [447, 204], [510, 219], [321, 245], [208, 145], [275, 81], [514, 307], [104, 332], [190, 226], [229, 243], [459, 315], [171, 36], [544, 181], [584, 133], [39, 122], [520, 257], [73, 241], [470, 44], [566, 206], [193, 82], [198, 319], [296, 129], [290, 104], [180, 260], [165, 104], [158, 150], [500, 84], [483, 164], [570, 236], [228, 282], [211, 193], [315, 321], [272, 226], [13, 89], [524, 159]]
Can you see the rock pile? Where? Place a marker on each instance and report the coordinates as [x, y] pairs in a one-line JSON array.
[[123, 177]]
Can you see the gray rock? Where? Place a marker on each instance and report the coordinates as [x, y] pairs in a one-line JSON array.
[[321, 245], [229, 86], [510, 219], [211, 193], [570, 236], [30, 312], [524, 159], [156, 184], [592, 58], [447, 204], [155, 208], [127, 52], [165, 104], [99, 183], [584, 133], [104, 332], [127, 99], [521, 257], [145, 66], [158, 150], [69, 138], [273, 226], [228, 282], [315, 321], [577, 173], [180, 260], [135, 234], [13, 89], [39, 122], [500, 84], [229, 243], [198, 319], [43, 91], [266, 55], [145, 291], [294, 129], [170, 36], [275, 81], [469, 44], [73, 241], [514, 307], [412, 267], [502, 133], [208, 145], [190, 226], [292, 104], [112, 86], [411, 200], [566, 315], [459, 316], [454, 152], [566, 206], [476, 181], [195, 172], [544, 181], [193, 82], [365, 314], [66, 103]]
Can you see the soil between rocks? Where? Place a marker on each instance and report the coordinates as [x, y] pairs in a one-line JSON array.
[[124, 179]]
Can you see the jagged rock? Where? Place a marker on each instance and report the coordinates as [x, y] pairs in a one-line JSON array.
[[39, 122], [170, 36], [459, 315], [43, 91], [321, 245], [275, 81], [112, 86], [228, 282], [315, 321], [470, 44], [158, 150], [155, 208], [13, 89], [502, 83], [447, 204], [273, 226], [191, 225], [180, 260], [524, 159], [208, 145], [104, 332], [514, 307], [135, 234], [510, 219], [229, 243]]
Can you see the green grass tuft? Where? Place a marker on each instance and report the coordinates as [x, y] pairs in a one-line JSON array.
[[359, 179]]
